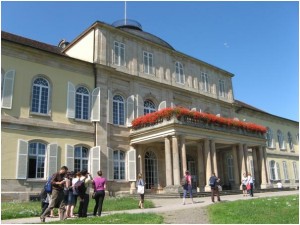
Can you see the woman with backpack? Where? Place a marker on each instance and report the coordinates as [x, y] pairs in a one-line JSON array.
[[187, 186]]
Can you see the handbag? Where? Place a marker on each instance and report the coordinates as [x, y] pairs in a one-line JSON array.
[[248, 187], [140, 189]]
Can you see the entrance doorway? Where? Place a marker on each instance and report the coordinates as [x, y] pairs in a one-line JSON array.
[[150, 169]]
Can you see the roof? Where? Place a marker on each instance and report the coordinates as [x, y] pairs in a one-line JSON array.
[[31, 43], [242, 105]]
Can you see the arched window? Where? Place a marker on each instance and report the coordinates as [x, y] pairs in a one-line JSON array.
[[119, 165], [149, 107], [118, 110], [36, 156], [180, 78], [274, 171], [230, 167], [150, 169], [280, 139], [81, 158], [40, 96], [269, 138], [82, 103], [290, 140]]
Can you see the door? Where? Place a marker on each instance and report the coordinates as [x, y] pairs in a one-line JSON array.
[[150, 170]]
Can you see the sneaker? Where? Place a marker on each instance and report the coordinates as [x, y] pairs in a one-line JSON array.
[[42, 219]]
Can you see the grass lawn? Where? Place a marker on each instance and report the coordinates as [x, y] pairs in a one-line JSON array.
[[13, 210], [271, 210], [124, 218]]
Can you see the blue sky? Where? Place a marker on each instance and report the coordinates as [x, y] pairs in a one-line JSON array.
[[256, 41]]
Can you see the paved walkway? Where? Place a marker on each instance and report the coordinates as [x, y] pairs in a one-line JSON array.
[[165, 205]]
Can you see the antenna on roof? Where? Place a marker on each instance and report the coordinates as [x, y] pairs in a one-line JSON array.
[[125, 13]]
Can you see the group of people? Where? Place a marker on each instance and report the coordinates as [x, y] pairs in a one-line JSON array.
[[247, 185], [65, 195]]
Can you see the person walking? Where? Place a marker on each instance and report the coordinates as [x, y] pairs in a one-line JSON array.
[[99, 184], [250, 182], [141, 190], [213, 183], [187, 187], [85, 198], [57, 196], [244, 185]]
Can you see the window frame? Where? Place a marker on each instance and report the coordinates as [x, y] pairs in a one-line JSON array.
[[205, 82], [120, 115], [121, 176], [148, 63], [179, 73], [81, 158], [148, 110], [83, 105], [40, 90], [119, 53], [40, 158]]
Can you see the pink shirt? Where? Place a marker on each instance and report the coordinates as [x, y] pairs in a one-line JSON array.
[[99, 183]]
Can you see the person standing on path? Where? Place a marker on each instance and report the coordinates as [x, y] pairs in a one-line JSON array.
[[244, 184], [99, 183], [187, 187], [57, 196], [213, 183], [250, 181], [141, 190], [84, 200]]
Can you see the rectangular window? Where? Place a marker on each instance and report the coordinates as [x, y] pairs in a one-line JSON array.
[[119, 50], [204, 81], [285, 170], [222, 88], [295, 168], [148, 63]]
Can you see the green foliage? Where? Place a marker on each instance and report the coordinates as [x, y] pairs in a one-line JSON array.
[[124, 218], [272, 210], [13, 210]]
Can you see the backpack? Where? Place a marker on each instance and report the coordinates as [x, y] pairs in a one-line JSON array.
[[48, 185], [79, 187], [212, 181], [183, 181]]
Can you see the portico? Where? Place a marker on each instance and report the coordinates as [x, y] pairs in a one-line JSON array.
[[202, 149]]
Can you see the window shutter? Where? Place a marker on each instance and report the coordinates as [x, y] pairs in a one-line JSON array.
[[162, 105], [22, 160], [95, 114], [70, 157], [8, 89], [130, 109], [109, 107], [95, 160], [140, 106], [131, 165], [52, 159], [110, 162], [71, 101]]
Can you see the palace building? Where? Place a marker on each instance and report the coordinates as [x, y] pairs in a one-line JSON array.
[[86, 104]]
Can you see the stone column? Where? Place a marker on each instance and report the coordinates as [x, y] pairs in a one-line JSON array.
[[242, 159], [176, 171], [201, 175], [168, 162], [255, 165], [183, 155], [214, 157], [264, 174], [246, 158], [237, 180], [207, 159]]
